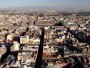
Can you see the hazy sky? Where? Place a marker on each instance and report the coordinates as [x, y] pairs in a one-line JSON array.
[[78, 4]]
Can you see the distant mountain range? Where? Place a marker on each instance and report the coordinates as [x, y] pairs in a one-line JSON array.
[[43, 8], [33, 8]]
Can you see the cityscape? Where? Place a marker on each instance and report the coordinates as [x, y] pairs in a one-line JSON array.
[[44, 38]]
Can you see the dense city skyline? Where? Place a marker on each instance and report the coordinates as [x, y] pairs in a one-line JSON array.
[[44, 34]]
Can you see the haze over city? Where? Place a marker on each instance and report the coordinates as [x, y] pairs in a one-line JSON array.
[[44, 33], [70, 5]]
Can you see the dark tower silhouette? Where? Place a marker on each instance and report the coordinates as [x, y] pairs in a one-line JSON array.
[[8, 51], [40, 51]]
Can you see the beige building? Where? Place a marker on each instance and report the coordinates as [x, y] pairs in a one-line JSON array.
[[24, 40], [9, 37]]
